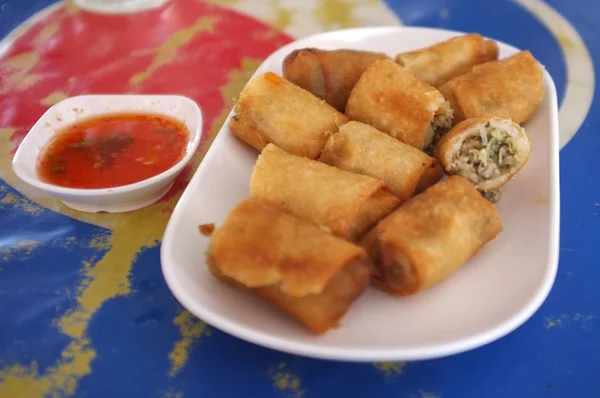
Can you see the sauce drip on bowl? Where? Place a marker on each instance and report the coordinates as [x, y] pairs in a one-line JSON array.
[[112, 150]]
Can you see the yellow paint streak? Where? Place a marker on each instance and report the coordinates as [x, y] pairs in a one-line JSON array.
[[54, 98], [104, 280], [16, 202], [17, 72], [390, 370], [19, 381], [286, 381], [336, 14], [236, 80], [22, 249], [566, 42], [191, 329], [46, 33], [283, 17], [167, 51], [71, 8], [541, 200]]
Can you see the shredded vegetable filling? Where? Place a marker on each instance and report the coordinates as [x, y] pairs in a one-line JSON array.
[[441, 123], [485, 156]]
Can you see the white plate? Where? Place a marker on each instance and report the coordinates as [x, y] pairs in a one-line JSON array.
[[494, 293]]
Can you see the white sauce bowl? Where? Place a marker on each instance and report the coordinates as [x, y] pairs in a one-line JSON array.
[[117, 199]]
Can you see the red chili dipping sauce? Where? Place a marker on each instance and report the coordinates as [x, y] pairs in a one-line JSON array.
[[112, 150]]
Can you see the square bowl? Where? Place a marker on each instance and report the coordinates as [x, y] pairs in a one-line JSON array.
[[118, 199], [491, 295]]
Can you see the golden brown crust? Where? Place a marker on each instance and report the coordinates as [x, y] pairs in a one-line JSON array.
[[328, 74], [360, 148], [431, 236], [446, 60], [347, 203], [393, 100], [270, 109], [290, 263], [318, 312], [450, 143], [260, 245], [511, 88]]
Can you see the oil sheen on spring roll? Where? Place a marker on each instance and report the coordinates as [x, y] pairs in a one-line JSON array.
[[487, 152], [272, 110], [446, 60], [511, 88], [393, 100], [347, 204], [328, 74], [289, 263], [363, 149], [431, 236]]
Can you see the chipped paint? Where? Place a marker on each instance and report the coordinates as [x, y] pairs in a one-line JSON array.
[[10, 201], [54, 98], [47, 33], [563, 320], [17, 72], [286, 381], [167, 51], [390, 370], [21, 250], [336, 14], [191, 329]]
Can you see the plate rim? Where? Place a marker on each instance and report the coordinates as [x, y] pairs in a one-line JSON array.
[[468, 343]]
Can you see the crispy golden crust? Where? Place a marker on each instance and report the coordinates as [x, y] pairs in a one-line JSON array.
[[347, 203], [451, 142], [271, 109], [511, 88], [363, 149], [290, 263], [318, 312], [431, 236], [328, 74], [393, 100], [446, 60]]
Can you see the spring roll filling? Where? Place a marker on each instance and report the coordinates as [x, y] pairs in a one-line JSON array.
[[493, 195], [440, 125], [485, 156]]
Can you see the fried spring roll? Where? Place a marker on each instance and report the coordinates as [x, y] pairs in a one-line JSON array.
[[328, 74], [511, 88], [437, 64], [272, 110], [487, 152], [393, 100], [431, 236], [290, 263], [363, 149], [348, 204]]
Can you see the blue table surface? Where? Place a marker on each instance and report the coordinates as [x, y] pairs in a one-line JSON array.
[[555, 354]]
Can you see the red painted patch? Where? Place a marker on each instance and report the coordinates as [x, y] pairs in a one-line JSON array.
[[93, 53]]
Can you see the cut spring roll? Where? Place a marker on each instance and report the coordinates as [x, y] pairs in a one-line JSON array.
[[272, 110], [487, 152], [393, 100], [363, 149], [437, 64], [431, 236], [328, 74], [347, 204], [511, 88], [290, 263]]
